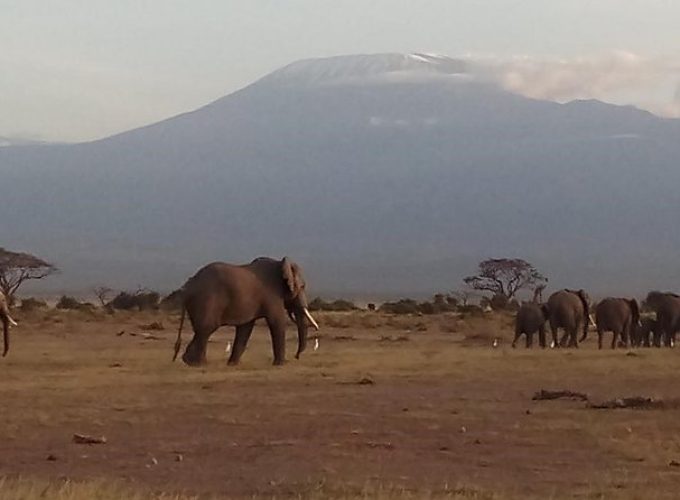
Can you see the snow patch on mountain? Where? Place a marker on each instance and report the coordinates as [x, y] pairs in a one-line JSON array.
[[368, 68]]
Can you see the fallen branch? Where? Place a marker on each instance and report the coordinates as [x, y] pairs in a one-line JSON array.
[[84, 439], [344, 337], [390, 338], [635, 403], [545, 395]]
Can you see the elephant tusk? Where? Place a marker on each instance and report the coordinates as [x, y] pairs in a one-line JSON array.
[[311, 320], [590, 319], [11, 321], [292, 318]]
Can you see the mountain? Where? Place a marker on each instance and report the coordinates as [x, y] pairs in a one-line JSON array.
[[19, 141], [380, 174]]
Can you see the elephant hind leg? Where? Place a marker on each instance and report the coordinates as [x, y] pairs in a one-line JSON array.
[[563, 341], [600, 335], [615, 338], [573, 342], [240, 341], [530, 340], [204, 327], [518, 334], [541, 336]]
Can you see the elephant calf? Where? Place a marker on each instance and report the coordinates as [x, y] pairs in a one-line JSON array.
[[619, 316], [530, 319], [645, 334]]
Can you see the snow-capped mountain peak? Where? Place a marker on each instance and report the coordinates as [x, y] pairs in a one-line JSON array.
[[366, 68]]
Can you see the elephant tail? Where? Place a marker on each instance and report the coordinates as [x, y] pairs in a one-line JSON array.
[[178, 342], [586, 314]]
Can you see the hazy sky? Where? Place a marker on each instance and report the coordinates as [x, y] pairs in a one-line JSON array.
[[80, 69]]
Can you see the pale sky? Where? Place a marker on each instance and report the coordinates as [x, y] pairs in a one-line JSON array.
[[74, 70]]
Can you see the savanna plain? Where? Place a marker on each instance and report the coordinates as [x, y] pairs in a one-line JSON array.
[[387, 407]]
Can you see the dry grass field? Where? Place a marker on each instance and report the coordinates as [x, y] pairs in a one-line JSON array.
[[388, 407]]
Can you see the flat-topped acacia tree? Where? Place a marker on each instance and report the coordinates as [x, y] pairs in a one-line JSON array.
[[505, 277], [18, 267]]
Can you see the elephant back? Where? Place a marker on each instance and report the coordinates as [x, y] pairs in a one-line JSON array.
[[567, 306], [530, 313]]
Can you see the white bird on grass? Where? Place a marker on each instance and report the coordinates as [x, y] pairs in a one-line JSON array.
[[228, 347], [316, 344]]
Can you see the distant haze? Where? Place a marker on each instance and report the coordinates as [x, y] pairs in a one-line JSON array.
[[381, 174]]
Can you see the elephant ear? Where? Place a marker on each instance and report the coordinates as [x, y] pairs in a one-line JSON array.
[[291, 276], [584, 298]]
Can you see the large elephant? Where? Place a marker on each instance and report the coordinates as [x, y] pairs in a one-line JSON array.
[[619, 316], [569, 310], [225, 294], [666, 305], [6, 321], [530, 319]]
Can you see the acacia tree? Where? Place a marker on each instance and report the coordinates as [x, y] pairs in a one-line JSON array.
[[18, 267], [103, 294], [504, 277]]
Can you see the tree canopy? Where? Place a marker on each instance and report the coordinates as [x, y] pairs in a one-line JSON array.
[[18, 267], [505, 277]]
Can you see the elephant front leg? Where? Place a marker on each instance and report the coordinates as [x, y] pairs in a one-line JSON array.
[[530, 340], [240, 341], [277, 329]]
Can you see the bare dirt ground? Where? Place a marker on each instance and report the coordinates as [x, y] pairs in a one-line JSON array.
[[387, 407]]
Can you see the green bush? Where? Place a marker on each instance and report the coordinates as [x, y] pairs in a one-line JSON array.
[[403, 306], [31, 304], [318, 304], [440, 304], [142, 300], [66, 302], [173, 301]]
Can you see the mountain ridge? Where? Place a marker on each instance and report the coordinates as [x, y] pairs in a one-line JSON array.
[[396, 187]]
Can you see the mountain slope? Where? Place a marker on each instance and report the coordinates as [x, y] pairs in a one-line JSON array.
[[384, 173]]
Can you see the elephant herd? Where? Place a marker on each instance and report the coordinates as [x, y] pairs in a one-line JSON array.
[[569, 310], [222, 294]]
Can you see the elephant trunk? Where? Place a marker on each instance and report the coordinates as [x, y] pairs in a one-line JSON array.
[[586, 314], [6, 322], [301, 322]]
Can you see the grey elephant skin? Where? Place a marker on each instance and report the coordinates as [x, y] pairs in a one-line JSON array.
[[569, 310], [531, 319], [646, 334], [666, 305], [617, 315], [6, 322], [237, 295]]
